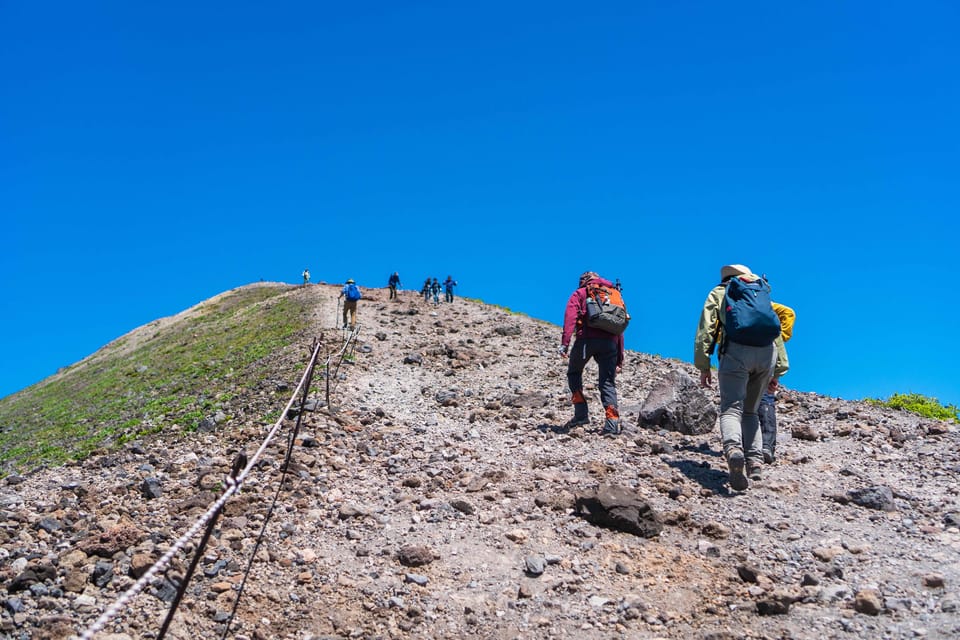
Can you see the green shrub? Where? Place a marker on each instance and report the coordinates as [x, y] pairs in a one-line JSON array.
[[920, 405]]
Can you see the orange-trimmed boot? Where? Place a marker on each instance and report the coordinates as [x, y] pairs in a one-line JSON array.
[[611, 425], [580, 415]]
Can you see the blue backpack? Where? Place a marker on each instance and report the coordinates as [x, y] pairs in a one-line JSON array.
[[353, 292], [749, 317]]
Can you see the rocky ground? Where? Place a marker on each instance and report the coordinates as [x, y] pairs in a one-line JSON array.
[[437, 501]]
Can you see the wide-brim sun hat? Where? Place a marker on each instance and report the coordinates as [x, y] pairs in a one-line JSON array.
[[730, 270], [349, 280]]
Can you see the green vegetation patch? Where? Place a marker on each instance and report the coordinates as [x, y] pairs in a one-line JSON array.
[[181, 375], [920, 405]]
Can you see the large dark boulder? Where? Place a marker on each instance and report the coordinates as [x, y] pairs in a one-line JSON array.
[[678, 403], [619, 508]]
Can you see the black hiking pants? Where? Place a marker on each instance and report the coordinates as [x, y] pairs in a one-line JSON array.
[[605, 352]]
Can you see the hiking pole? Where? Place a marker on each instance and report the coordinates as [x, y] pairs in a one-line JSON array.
[[336, 318]]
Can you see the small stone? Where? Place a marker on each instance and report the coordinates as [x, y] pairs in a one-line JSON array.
[[747, 573], [773, 606], [415, 556], [415, 578], [708, 549], [827, 554], [868, 602], [535, 565], [140, 563], [716, 531], [598, 601], [934, 581], [150, 488], [806, 432], [84, 603], [220, 587], [517, 535], [877, 497], [463, 507], [75, 580], [50, 525]]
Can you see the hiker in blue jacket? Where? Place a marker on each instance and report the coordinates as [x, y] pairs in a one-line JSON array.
[[394, 284], [351, 294], [448, 286]]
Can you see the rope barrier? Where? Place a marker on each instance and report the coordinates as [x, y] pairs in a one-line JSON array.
[[232, 484]]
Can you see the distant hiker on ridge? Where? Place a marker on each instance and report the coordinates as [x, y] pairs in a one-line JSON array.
[[394, 284], [435, 290], [306, 276], [596, 313], [448, 286], [351, 294], [426, 290], [739, 317]]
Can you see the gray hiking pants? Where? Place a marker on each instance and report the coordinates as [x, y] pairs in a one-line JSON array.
[[743, 376], [605, 352]]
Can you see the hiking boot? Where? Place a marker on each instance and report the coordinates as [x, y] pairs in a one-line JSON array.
[[768, 456], [611, 428], [754, 471], [580, 416], [738, 481]]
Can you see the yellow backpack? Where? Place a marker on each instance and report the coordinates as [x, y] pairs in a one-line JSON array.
[[787, 316]]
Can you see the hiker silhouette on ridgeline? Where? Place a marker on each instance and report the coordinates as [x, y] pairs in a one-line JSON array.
[[618, 285], [426, 290], [599, 335], [306, 276], [448, 286], [435, 291], [394, 284], [350, 294], [738, 319], [767, 412]]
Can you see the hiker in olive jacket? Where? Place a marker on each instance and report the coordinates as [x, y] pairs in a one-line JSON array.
[[605, 348], [744, 373]]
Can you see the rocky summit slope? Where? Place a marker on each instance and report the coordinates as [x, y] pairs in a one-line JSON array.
[[437, 501]]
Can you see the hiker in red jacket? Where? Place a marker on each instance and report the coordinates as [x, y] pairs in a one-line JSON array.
[[605, 348]]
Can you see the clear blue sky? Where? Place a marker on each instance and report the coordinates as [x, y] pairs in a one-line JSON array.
[[152, 156]]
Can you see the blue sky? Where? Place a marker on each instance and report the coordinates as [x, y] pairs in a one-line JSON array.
[[154, 156]]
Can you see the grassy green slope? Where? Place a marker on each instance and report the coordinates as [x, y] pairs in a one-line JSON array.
[[169, 374]]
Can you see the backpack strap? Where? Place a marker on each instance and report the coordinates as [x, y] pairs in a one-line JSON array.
[[719, 329]]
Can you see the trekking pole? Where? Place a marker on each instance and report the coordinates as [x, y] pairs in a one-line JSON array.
[[336, 318]]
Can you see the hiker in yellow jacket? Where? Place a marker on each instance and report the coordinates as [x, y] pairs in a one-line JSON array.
[[744, 373], [767, 411]]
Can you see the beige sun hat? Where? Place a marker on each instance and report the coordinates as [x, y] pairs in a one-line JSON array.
[[730, 270]]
